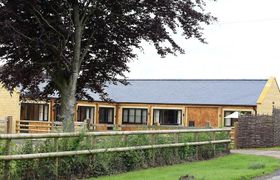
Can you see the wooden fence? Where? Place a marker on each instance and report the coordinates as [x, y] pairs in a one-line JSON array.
[[56, 154], [258, 131], [31, 126], [27, 126]]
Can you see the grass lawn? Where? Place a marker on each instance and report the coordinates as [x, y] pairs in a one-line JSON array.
[[234, 166]]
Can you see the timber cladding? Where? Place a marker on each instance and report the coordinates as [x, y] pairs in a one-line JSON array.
[[203, 116], [259, 131]]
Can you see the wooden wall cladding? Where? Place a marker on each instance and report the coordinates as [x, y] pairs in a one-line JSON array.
[[203, 116], [101, 127], [132, 128]]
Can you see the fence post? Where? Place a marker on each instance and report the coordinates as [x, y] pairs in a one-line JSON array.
[[153, 141], [235, 132], [176, 140], [214, 145], [56, 159], [9, 125], [91, 140], [227, 144], [196, 147], [7, 162], [18, 126], [176, 137], [125, 138]]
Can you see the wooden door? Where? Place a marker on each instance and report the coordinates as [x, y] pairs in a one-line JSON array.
[[203, 116]]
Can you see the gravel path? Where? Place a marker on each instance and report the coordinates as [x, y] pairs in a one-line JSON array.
[[276, 154], [274, 176]]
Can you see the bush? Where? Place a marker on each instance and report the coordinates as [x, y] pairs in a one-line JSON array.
[[1, 152], [26, 169], [106, 163], [256, 165], [187, 177]]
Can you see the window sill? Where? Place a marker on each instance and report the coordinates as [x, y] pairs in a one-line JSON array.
[[168, 125], [105, 123]]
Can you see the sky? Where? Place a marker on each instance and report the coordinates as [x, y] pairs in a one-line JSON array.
[[243, 44]]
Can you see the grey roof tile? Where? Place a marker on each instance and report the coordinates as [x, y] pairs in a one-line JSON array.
[[184, 91]]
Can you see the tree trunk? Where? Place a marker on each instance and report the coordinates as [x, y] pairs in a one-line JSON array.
[[67, 113], [68, 90], [68, 99], [68, 102]]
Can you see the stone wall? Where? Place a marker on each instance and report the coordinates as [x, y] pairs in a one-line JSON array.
[[258, 131], [3, 125], [9, 105]]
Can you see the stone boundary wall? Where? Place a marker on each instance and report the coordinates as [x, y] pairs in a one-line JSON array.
[[3, 125], [258, 131]]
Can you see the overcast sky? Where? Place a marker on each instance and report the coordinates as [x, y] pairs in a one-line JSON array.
[[244, 43]]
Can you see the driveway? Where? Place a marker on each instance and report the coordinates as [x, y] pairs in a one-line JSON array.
[[275, 154]]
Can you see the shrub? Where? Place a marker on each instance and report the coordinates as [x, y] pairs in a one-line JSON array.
[[187, 177], [1, 162], [26, 169], [107, 163], [256, 165]]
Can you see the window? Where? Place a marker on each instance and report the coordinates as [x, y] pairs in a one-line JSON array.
[[85, 112], [229, 122], [245, 113], [57, 111], [134, 116], [35, 112], [106, 115], [167, 116]]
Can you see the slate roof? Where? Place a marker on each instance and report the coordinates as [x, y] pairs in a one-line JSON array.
[[188, 91]]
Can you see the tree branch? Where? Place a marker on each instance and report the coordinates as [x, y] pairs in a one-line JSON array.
[[69, 12], [86, 17], [46, 21], [86, 49], [78, 36], [20, 33]]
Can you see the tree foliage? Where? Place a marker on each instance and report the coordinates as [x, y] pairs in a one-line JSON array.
[[39, 36], [81, 45]]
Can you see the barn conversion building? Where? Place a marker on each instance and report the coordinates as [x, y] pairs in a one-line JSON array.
[[158, 102]]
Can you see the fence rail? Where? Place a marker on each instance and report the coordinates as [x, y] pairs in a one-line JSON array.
[[27, 126], [108, 133], [95, 151], [9, 137], [35, 126]]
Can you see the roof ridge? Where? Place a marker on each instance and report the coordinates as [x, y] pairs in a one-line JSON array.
[[197, 79]]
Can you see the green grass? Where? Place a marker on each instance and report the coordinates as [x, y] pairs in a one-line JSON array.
[[234, 166]]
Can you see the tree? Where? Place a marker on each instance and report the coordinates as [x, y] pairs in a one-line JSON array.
[[81, 45]]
